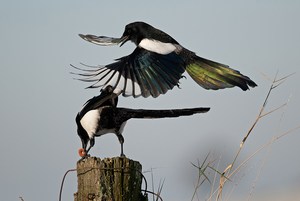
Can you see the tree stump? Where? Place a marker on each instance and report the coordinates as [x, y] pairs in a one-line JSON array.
[[110, 179]]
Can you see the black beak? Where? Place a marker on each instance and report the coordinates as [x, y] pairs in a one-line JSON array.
[[123, 40]]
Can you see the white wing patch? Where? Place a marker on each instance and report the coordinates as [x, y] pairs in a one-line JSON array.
[[111, 79], [137, 89], [114, 78], [90, 122], [157, 46], [129, 89], [132, 88]]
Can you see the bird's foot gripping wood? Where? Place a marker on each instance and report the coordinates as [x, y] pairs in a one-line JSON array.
[[122, 153]]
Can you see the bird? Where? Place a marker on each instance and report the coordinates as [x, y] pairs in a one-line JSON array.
[[156, 65], [100, 115]]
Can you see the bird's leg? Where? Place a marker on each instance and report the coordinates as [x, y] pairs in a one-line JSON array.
[[121, 140]]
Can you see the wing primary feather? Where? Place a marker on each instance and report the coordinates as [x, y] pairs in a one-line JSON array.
[[108, 80], [151, 82], [157, 80], [134, 81], [117, 82], [95, 85], [87, 70], [142, 82], [90, 66], [125, 70], [136, 85], [91, 76]]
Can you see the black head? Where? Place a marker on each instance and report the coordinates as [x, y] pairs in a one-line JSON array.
[[137, 31], [82, 133], [85, 139]]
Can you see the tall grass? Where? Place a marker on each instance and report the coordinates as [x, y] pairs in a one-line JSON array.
[[221, 178]]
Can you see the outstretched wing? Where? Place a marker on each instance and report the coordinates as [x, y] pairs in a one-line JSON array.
[[142, 73]]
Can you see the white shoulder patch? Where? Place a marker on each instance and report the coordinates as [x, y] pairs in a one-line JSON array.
[[157, 46], [90, 122]]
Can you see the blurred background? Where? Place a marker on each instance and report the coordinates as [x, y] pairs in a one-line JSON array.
[[40, 99]]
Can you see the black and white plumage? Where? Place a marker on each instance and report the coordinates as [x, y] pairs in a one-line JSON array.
[[157, 64], [100, 115]]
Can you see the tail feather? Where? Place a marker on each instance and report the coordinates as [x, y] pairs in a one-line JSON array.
[[150, 114], [213, 75]]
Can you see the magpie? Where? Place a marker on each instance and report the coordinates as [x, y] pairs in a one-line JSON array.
[[100, 115], [156, 65]]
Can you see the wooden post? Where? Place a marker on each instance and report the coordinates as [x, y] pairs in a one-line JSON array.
[[110, 179]]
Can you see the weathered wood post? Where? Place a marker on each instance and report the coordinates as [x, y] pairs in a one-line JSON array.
[[110, 179]]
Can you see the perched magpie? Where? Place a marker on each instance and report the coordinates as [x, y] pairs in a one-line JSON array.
[[100, 115], [157, 64]]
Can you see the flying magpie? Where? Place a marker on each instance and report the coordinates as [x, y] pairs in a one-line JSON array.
[[100, 115], [157, 64]]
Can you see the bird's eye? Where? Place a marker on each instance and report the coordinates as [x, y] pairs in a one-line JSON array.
[[131, 30]]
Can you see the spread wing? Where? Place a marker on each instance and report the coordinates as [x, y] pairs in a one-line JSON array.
[[142, 73]]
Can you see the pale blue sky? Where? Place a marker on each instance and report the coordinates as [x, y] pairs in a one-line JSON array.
[[40, 99]]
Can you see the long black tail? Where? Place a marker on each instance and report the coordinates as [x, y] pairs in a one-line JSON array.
[[126, 113]]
